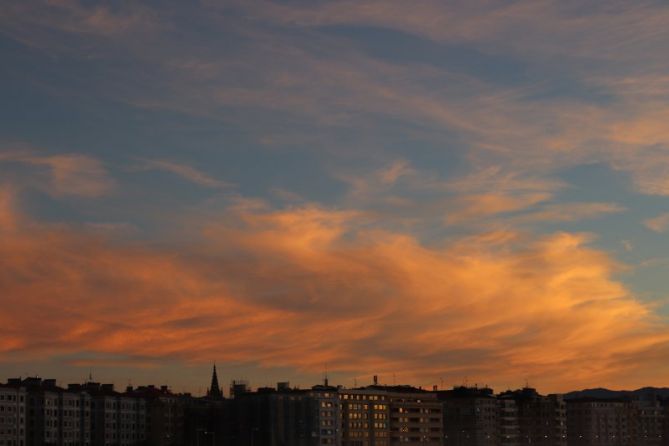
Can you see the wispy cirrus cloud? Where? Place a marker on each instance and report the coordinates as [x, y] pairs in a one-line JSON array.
[[184, 171], [480, 200], [603, 31], [76, 17], [472, 207], [495, 124]]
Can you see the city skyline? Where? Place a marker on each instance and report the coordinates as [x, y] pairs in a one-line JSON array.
[[452, 191], [226, 383], [38, 411]]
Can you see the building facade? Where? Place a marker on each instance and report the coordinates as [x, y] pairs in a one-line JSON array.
[[599, 422], [542, 419], [416, 417], [365, 417], [471, 417], [509, 429], [13, 399]]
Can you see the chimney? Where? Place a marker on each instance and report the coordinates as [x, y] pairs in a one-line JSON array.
[[376, 380]]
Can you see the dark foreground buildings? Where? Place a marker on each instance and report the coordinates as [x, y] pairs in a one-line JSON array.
[[36, 411]]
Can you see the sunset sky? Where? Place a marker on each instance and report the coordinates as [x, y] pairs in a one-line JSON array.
[[435, 192]]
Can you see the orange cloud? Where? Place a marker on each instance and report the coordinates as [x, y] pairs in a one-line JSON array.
[[306, 286], [7, 212]]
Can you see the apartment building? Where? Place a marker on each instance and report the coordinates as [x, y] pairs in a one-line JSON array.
[[542, 419], [415, 416], [509, 429], [600, 422], [365, 417], [116, 419], [470, 416], [327, 425], [13, 399]]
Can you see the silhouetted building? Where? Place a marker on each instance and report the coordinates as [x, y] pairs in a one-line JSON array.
[[238, 387], [542, 420], [600, 422], [37, 412], [116, 419], [664, 404], [214, 389], [285, 416], [509, 429], [649, 417], [327, 424], [415, 416], [13, 398], [470, 417], [43, 411], [209, 422], [365, 416], [164, 416], [75, 417]]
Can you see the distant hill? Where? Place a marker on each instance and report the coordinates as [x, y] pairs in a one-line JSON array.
[[601, 393]]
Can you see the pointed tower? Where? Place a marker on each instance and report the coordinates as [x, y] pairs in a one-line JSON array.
[[214, 390]]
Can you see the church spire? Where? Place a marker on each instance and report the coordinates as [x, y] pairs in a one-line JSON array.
[[214, 390]]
